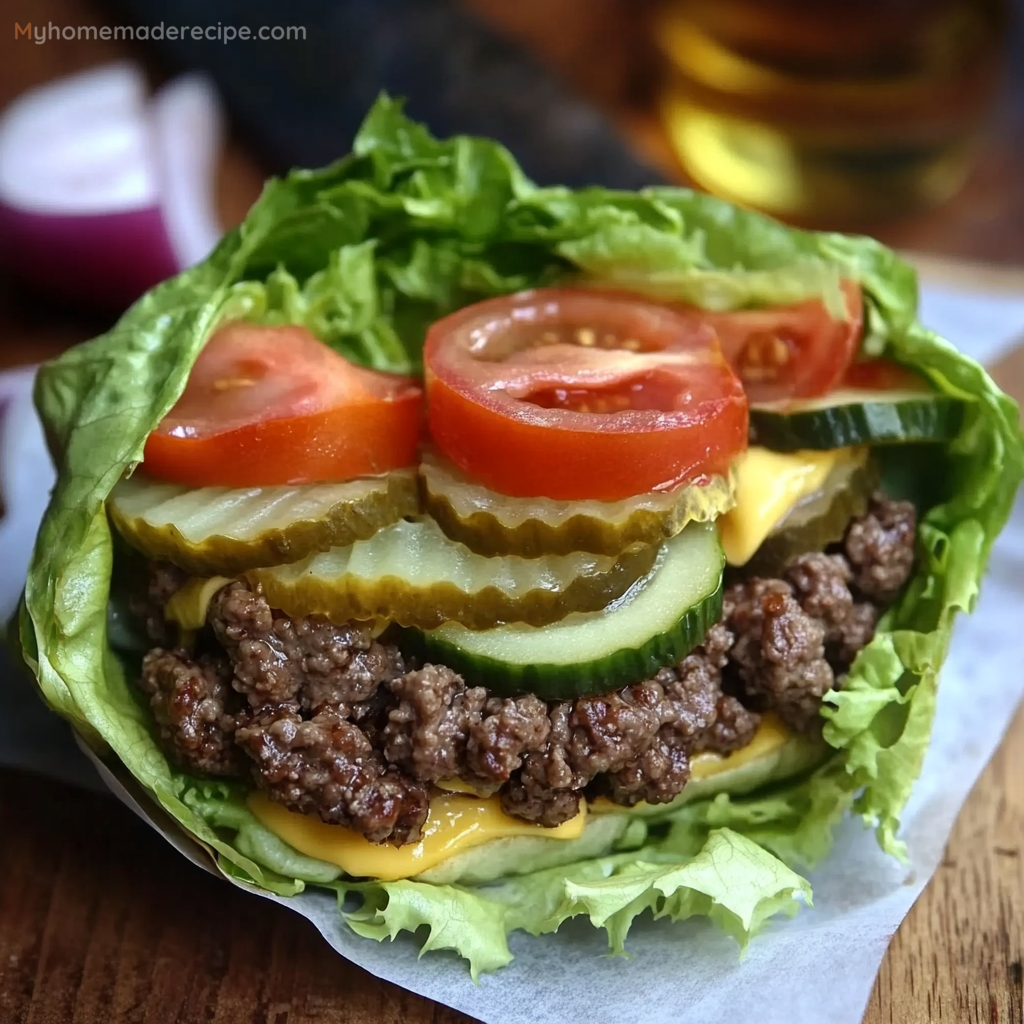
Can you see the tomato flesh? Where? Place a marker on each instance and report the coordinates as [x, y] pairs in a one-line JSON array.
[[651, 391], [273, 405], [798, 351], [884, 375], [572, 394]]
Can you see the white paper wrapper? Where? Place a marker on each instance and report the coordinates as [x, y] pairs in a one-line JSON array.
[[818, 967]]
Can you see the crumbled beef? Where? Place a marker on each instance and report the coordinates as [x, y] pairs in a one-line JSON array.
[[509, 729], [611, 729], [195, 709], [327, 766], [779, 652], [634, 744], [693, 688], [428, 729], [164, 581], [796, 637], [656, 775], [732, 728], [546, 790], [528, 796], [880, 548], [442, 730], [278, 659], [821, 583]]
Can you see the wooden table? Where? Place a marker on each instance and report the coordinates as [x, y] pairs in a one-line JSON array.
[[101, 922]]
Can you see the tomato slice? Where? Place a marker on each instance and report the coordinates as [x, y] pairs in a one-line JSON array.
[[884, 375], [574, 394], [273, 405], [798, 351]]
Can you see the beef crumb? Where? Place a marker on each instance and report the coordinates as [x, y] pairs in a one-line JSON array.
[[441, 729], [327, 766], [880, 548], [821, 584], [195, 709], [278, 659], [779, 652], [634, 744], [427, 731]]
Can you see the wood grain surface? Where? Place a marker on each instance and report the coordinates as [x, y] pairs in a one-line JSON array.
[[102, 923]]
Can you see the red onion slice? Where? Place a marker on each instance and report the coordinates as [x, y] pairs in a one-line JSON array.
[[187, 126], [103, 195]]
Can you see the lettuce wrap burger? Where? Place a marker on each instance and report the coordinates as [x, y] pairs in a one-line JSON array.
[[499, 554]]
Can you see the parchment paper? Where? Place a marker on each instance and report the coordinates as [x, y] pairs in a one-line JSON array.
[[818, 967]]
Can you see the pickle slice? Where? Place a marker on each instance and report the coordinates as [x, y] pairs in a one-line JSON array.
[[495, 524], [412, 575], [222, 530], [819, 520]]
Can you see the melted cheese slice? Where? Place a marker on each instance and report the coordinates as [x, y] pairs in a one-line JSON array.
[[768, 486], [189, 604], [771, 736], [454, 823]]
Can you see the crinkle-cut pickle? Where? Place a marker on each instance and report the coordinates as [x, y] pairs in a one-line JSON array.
[[412, 575], [495, 524], [224, 530], [656, 624], [818, 521]]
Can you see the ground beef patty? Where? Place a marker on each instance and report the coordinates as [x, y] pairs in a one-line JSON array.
[[329, 721]]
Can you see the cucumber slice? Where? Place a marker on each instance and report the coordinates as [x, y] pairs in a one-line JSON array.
[[411, 574], [495, 524], [212, 530], [656, 624], [851, 417]]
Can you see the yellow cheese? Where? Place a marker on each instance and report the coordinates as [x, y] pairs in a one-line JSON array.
[[189, 604], [454, 824], [458, 786], [771, 735], [768, 485]]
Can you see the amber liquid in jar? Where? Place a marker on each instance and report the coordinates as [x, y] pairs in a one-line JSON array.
[[831, 112]]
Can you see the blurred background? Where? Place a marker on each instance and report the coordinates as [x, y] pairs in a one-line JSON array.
[[899, 118]]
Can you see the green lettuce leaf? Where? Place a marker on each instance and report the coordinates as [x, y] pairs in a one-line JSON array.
[[728, 878], [368, 252]]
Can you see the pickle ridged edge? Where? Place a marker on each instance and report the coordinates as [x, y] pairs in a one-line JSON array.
[[547, 532], [344, 596], [345, 522]]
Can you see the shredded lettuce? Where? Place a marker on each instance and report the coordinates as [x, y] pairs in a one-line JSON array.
[[368, 252]]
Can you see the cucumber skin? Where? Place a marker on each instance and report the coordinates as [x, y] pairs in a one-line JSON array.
[[580, 679], [936, 418]]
